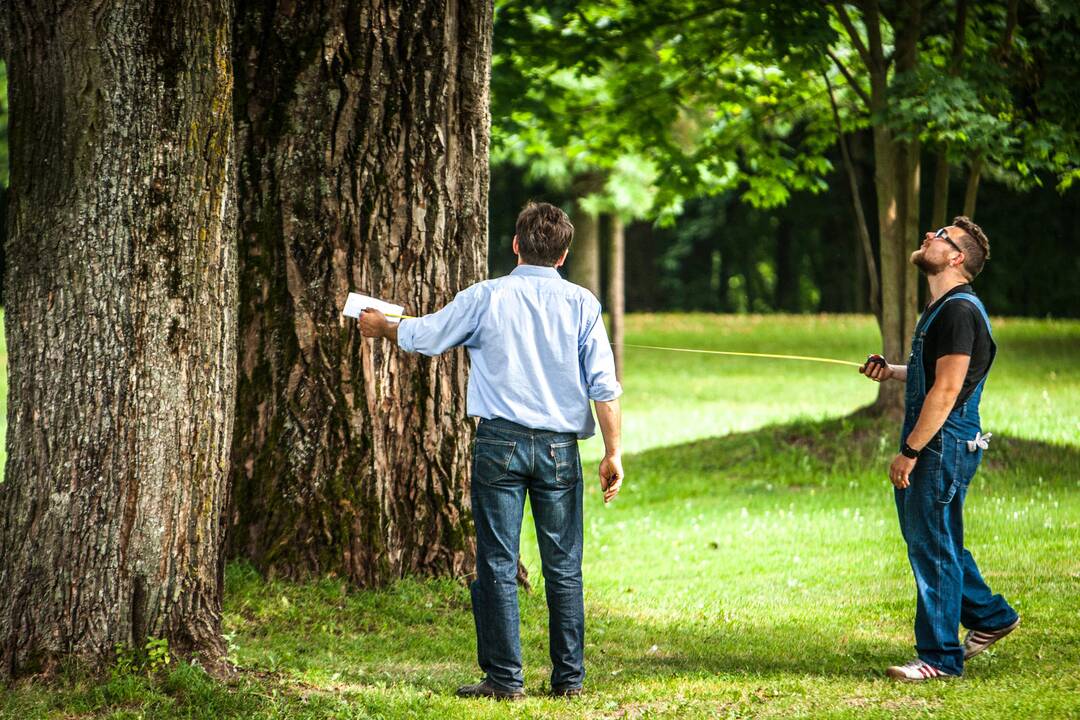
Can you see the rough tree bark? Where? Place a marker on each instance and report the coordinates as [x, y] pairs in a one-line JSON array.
[[362, 128], [121, 322]]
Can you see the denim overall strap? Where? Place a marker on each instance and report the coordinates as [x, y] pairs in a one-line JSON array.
[[964, 420], [915, 389]]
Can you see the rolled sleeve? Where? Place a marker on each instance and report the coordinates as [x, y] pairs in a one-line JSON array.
[[598, 363], [455, 324]]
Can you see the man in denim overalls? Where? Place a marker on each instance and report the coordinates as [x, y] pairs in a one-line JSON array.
[[941, 447]]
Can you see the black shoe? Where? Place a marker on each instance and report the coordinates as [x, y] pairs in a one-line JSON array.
[[566, 692], [486, 689]]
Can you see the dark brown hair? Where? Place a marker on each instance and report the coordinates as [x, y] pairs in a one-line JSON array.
[[975, 245], [543, 232]]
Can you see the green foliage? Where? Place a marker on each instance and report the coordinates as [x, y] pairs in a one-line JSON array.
[[150, 660], [724, 96], [676, 87]]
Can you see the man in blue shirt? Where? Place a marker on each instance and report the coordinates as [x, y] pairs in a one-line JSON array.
[[539, 354]]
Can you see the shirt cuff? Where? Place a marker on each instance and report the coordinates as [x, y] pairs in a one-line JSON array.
[[406, 336], [605, 393]]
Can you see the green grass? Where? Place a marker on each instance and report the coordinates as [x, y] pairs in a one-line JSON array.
[[752, 566]]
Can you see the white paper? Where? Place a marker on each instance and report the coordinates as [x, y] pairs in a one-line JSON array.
[[357, 302]]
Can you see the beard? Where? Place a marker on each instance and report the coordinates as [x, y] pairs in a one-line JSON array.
[[928, 267]]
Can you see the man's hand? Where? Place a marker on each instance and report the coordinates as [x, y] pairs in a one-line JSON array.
[[373, 324], [900, 470], [877, 369], [611, 476]]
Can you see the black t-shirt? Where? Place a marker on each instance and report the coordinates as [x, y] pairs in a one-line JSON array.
[[959, 329]]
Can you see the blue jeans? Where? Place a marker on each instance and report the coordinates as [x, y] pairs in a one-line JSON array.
[[510, 461], [950, 589]]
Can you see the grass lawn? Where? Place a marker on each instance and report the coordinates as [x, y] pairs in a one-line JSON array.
[[752, 566]]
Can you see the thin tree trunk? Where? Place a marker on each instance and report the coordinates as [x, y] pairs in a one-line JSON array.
[[890, 396], [786, 290], [862, 231], [941, 172], [941, 190], [896, 179], [584, 260], [583, 265], [363, 127], [121, 323], [616, 289], [972, 191], [909, 179]]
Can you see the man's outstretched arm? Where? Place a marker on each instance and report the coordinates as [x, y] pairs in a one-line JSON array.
[[433, 334]]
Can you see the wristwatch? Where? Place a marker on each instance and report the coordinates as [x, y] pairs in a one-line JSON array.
[[909, 452]]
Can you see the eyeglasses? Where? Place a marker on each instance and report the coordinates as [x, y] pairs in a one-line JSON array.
[[944, 235]]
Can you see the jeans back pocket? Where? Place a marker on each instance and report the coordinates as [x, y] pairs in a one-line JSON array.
[[491, 459], [567, 463]]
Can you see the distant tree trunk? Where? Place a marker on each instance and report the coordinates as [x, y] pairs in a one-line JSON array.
[[617, 288], [121, 323], [584, 262], [941, 172], [786, 290], [941, 190], [583, 265], [723, 286], [363, 127], [972, 191]]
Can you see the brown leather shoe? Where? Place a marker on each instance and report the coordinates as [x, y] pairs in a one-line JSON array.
[[486, 689], [566, 692]]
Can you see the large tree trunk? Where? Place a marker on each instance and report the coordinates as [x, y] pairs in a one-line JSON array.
[[121, 322], [363, 131]]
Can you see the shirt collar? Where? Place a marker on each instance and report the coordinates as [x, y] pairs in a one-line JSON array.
[[536, 271]]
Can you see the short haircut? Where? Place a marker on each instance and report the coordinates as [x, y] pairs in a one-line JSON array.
[[543, 232], [975, 245]]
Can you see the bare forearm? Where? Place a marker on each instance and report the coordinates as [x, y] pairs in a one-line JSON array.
[[899, 372], [609, 415], [936, 407]]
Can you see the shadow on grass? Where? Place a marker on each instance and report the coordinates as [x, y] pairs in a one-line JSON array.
[[311, 649], [809, 453], [422, 633]]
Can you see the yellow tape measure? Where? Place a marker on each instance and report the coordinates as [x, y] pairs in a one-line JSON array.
[[807, 358]]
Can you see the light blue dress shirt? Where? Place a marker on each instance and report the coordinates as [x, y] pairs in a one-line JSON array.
[[538, 347]]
